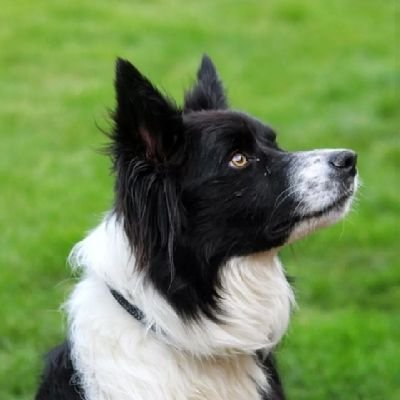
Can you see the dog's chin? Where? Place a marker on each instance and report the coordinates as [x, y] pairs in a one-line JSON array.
[[308, 223]]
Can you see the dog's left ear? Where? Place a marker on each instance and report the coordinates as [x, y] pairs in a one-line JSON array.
[[208, 93], [147, 124]]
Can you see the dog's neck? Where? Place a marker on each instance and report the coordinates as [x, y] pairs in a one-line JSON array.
[[255, 298]]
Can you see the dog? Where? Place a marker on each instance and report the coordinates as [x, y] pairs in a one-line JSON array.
[[183, 296]]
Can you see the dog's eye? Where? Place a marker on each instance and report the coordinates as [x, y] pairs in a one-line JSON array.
[[239, 161]]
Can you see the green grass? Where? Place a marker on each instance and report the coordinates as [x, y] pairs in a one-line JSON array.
[[323, 73]]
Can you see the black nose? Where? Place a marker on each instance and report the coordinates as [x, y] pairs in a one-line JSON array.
[[344, 161]]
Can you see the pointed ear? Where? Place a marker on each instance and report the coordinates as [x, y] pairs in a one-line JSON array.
[[208, 93], [147, 124]]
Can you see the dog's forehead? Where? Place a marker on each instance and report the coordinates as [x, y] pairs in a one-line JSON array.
[[228, 122]]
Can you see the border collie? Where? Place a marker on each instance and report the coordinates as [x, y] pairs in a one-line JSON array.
[[183, 296]]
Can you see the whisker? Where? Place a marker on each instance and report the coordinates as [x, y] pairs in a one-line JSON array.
[[276, 206]]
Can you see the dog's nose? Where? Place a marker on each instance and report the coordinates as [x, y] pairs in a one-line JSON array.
[[344, 161]]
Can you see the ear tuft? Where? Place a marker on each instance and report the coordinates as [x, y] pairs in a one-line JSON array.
[[208, 93]]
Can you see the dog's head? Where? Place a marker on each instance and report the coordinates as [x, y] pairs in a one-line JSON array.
[[199, 185]]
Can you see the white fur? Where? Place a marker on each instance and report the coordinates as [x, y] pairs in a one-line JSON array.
[[314, 188], [117, 358]]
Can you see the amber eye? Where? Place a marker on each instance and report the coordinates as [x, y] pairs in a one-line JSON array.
[[238, 160]]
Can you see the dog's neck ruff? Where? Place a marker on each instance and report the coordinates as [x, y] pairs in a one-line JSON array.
[[132, 309], [253, 288], [115, 355]]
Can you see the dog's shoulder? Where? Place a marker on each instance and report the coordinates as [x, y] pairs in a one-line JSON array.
[[59, 381]]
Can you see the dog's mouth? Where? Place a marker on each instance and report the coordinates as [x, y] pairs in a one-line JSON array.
[[336, 206]]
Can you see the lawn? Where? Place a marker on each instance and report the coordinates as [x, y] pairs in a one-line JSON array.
[[322, 73]]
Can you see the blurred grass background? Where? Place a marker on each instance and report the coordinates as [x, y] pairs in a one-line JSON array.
[[323, 73]]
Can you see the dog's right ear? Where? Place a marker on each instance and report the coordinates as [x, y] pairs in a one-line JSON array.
[[208, 93], [147, 124]]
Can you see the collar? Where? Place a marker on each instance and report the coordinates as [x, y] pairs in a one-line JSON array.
[[132, 309]]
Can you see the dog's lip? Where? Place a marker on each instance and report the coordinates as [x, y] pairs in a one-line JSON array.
[[338, 203], [284, 226]]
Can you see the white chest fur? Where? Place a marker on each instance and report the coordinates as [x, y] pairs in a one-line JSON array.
[[117, 358]]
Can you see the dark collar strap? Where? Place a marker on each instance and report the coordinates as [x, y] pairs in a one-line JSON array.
[[133, 310]]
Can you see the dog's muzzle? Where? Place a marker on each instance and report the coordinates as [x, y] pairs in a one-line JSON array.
[[322, 181]]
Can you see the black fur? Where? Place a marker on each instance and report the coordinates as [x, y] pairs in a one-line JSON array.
[[276, 389], [59, 381], [139, 148], [208, 93], [176, 193]]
